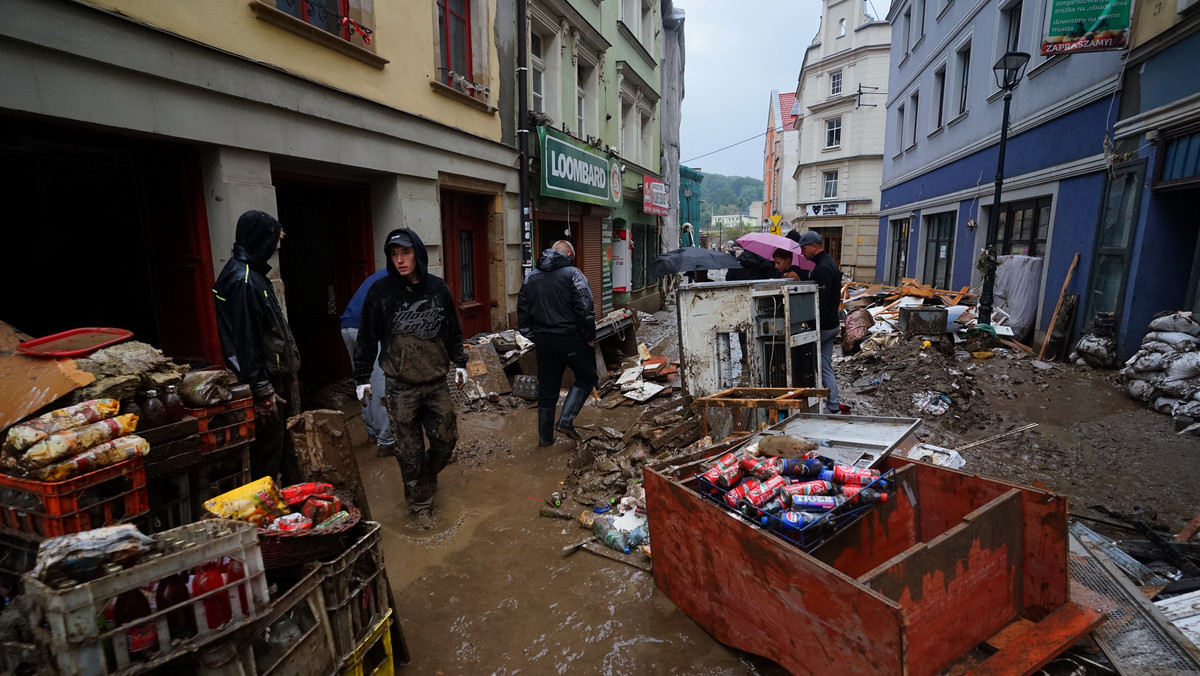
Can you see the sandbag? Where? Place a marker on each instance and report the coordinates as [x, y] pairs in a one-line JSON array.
[[1158, 346], [201, 389], [1182, 365], [1182, 388], [1142, 390], [1146, 362], [1097, 351], [1165, 404], [1188, 408], [1178, 322], [1181, 342]]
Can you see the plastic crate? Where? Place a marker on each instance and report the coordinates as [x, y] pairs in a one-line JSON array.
[[224, 425], [373, 656], [355, 590], [68, 616], [170, 502], [18, 554], [219, 473], [100, 498], [812, 535]]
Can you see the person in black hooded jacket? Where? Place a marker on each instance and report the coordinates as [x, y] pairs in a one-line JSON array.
[[554, 309], [411, 317], [257, 341]]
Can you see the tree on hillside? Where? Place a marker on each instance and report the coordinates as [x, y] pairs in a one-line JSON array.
[[727, 195]]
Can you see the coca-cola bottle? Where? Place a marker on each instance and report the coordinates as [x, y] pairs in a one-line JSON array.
[[734, 497], [173, 404], [811, 488], [154, 414], [845, 474], [217, 610], [760, 468], [758, 496], [142, 639], [859, 496], [172, 591]]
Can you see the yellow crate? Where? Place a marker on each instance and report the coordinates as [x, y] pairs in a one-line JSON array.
[[373, 657]]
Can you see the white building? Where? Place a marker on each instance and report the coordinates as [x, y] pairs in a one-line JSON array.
[[841, 121]]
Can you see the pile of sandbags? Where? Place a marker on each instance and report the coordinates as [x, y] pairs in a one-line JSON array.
[[1165, 372]]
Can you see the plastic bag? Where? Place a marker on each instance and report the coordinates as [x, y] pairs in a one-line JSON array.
[[257, 502], [289, 522], [206, 388], [96, 457], [77, 440], [81, 557], [21, 437], [1181, 322]]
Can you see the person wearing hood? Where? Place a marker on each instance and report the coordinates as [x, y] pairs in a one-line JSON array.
[[257, 341], [554, 309], [410, 321]]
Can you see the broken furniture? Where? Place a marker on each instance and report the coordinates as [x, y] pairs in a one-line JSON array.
[[773, 399]]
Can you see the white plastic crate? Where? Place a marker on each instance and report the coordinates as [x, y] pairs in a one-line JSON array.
[[67, 617]]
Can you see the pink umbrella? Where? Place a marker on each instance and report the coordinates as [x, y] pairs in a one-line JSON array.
[[764, 244]]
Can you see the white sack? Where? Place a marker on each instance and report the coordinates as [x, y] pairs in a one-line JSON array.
[[1181, 322]]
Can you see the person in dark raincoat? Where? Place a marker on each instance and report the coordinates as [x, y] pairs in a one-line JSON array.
[[258, 343], [410, 320]]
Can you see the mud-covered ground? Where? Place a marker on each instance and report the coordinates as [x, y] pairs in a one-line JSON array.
[[490, 589]]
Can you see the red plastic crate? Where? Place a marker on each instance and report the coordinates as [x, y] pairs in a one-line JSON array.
[[225, 425], [100, 498]]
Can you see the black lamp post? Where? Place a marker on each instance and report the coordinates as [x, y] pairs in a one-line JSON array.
[[1008, 70]]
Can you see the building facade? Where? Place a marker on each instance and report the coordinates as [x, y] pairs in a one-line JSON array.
[[151, 126], [780, 154], [1146, 255], [840, 135], [944, 110]]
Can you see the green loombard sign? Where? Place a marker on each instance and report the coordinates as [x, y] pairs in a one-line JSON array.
[[575, 171], [1087, 26]]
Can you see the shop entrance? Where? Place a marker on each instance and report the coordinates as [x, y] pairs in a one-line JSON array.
[[326, 254], [465, 258], [106, 231]]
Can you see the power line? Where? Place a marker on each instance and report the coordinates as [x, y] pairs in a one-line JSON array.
[[732, 145]]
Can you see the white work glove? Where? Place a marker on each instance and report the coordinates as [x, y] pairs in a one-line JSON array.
[[460, 377], [364, 394]]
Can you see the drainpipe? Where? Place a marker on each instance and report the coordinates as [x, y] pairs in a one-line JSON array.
[[523, 134]]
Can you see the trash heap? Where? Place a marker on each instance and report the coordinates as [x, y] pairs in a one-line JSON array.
[[1165, 372]]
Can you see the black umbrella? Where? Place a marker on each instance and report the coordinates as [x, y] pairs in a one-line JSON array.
[[689, 259]]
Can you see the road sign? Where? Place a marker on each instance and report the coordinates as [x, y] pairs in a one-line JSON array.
[[774, 229], [775, 220]]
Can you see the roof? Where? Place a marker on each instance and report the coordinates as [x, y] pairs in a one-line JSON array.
[[787, 102]]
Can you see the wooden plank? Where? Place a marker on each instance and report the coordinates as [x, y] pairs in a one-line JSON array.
[[973, 568], [1058, 306], [1016, 345], [30, 383], [1189, 531], [1042, 642], [759, 593], [1007, 635]]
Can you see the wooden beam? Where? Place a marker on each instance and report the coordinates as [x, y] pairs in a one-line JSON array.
[[1043, 641], [1058, 306]]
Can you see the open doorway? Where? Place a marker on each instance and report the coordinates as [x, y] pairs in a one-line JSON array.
[[326, 254]]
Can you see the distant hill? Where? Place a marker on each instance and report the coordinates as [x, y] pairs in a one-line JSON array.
[[721, 195]]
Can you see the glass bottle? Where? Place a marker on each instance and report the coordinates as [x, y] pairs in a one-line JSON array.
[[154, 413], [173, 404], [129, 405], [142, 639], [172, 591], [217, 610]]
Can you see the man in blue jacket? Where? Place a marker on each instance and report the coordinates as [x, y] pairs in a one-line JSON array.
[[374, 416], [554, 309]]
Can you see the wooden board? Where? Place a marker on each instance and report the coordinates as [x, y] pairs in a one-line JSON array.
[[1042, 642], [484, 366], [28, 384], [761, 594]]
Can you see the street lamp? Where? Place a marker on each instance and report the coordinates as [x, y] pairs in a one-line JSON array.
[[1008, 70]]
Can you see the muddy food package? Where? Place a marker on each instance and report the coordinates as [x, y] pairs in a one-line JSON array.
[[21, 437], [74, 441], [106, 454], [257, 502], [80, 557], [201, 389]]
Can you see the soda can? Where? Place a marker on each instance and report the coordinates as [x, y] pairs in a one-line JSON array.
[[764, 491], [809, 488], [760, 468], [734, 497], [816, 503]]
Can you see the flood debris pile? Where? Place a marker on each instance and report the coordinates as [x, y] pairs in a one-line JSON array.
[[125, 369], [1165, 372]]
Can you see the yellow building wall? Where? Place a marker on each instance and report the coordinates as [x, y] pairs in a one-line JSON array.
[[404, 34]]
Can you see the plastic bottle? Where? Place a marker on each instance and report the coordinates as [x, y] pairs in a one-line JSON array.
[[234, 571], [867, 496], [217, 610], [772, 506], [811, 488], [816, 503], [790, 520], [801, 467], [154, 414], [610, 535], [172, 591], [142, 640], [638, 535], [845, 474], [174, 405]]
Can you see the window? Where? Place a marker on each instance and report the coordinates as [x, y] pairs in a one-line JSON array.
[[898, 256], [466, 248], [914, 103], [842, 28], [830, 179], [920, 24], [1119, 214], [835, 83], [833, 132], [899, 130], [1012, 27], [1023, 227], [646, 140], [647, 34], [454, 34], [906, 25], [629, 129], [939, 90], [537, 74], [964, 68], [939, 250]]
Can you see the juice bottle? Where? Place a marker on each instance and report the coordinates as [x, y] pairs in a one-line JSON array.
[[173, 404], [217, 610], [234, 571], [172, 590], [142, 639], [154, 413]]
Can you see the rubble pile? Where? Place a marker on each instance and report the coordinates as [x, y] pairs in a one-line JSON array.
[[124, 369]]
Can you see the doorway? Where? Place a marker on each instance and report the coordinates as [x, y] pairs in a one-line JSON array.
[[325, 255], [465, 257]]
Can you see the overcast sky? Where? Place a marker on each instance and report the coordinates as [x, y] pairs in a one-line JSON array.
[[737, 52]]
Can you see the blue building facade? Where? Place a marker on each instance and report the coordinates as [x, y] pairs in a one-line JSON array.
[[944, 112], [1148, 251]]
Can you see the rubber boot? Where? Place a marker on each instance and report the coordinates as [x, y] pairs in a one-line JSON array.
[[571, 406], [545, 426]]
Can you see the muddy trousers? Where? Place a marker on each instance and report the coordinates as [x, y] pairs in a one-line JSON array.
[[272, 453], [828, 336], [555, 354], [417, 413]]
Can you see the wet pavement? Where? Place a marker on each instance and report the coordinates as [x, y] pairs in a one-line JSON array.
[[488, 589]]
